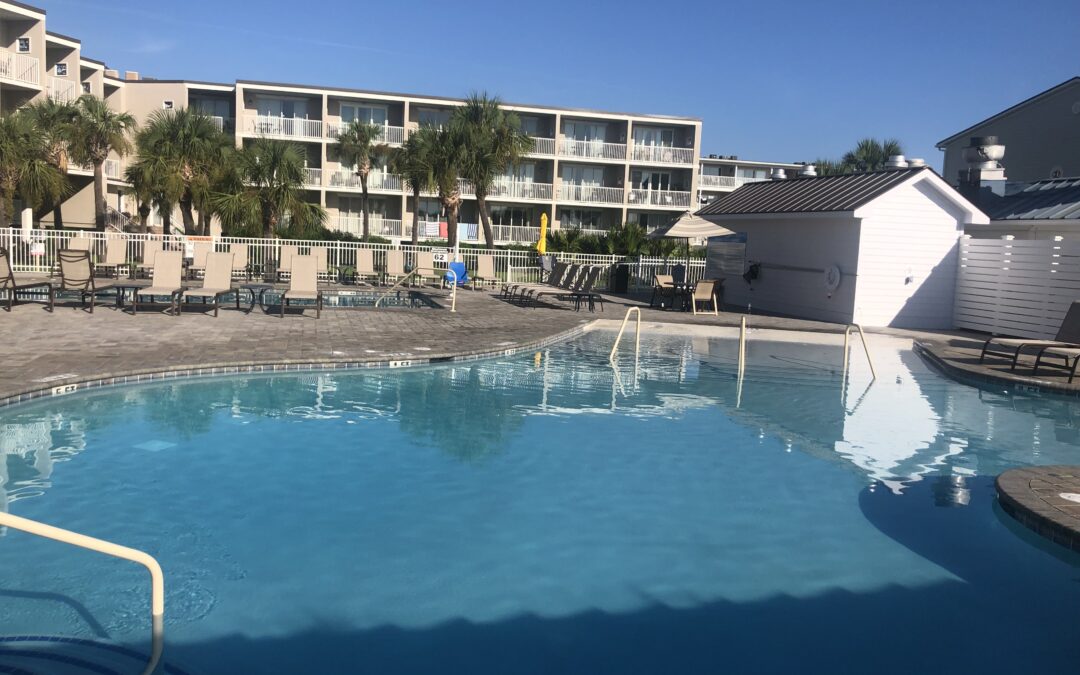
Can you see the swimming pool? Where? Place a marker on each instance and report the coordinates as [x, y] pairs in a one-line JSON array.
[[547, 513]]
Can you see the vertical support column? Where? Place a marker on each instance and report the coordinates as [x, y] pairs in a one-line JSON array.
[[626, 169], [322, 150], [556, 174]]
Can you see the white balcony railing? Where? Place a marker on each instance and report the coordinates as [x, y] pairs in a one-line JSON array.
[[506, 188], [222, 123], [515, 234], [669, 198], [592, 149], [590, 194], [390, 135], [543, 146], [377, 181], [20, 68], [61, 90], [659, 154], [283, 127], [377, 225], [708, 182], [313, 177]]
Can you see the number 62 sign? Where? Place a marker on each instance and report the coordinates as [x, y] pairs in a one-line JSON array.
[[440, 256]]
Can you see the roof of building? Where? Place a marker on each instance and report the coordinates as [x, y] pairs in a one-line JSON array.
[[1008, 111], [1054, 199], [812, 194], [53, 34]]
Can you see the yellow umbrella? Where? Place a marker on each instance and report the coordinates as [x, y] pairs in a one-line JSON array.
[[541, 246]]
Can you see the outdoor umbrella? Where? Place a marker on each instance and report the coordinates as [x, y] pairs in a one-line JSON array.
[[688, 226], [541, 246]]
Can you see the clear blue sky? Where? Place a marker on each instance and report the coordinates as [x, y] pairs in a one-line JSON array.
[[780, 81]]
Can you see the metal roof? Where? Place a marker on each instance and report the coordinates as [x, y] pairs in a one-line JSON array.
[[814, 194], [1055, 199]]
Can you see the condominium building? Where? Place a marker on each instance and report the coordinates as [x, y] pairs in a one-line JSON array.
[[587, 169]]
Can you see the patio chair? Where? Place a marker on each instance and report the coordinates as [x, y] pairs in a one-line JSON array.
[[663, 288], [13, 286], [115, 255], [425, 268], [585, 292], [77, 275], [1065, 353], [456, 274], [322, 263], [565, 282], [704, 291], [285, 256], [395, 266], [485, 270], [151, 247], [216, 282], [80, 243], [574, 282], [168, 269], [365, 264], [240, 259], [198, 257], [303, 284], [1068, 335], [554, 278]]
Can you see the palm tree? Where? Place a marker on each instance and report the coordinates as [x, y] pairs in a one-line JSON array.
[[24, 168], [828, 167], [98, 130], [410, 161], [494, 142], [357, 147], [264, 192], [191, 141], [870, 155], [565, 240], [156, 183], [55, 120], [445, 150]]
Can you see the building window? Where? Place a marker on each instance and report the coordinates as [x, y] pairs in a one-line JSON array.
[[580, 218], [167, 105], [23, 45], [368, 114], [432, 117], [86, 87], [61, 70], [429, 209]]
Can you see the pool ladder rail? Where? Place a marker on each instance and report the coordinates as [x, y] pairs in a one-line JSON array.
[[410, 275], [157, 578], [622, 329]]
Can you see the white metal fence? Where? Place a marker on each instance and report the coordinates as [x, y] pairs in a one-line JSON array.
[[1016, 287], [37, 253]]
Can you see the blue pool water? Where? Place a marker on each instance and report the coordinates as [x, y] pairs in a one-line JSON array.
[[544, 513]]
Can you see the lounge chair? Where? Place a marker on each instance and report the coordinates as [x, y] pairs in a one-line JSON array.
[[704, 291], [425, 268], [115, 255], [485, 270], [217, 281], [585, 292], [198, 257], [322, 265], [285, 257], [167, 272], [555, 278], [13, 286], [663, 288], [1068, 335], [574, 283], [303, 284], [395, 266], [151, 247], [365, 264], [77, 275], [571, 274], [1065, 353], [240, 259]]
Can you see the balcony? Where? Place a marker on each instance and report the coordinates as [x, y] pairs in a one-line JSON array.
[[660, 154], [590, 194], [19, 68], [505, 188], [313, 177], [377, 181], [390, 135], [283, 127], [543, 146], [671, 199], [592, 149], [725, 182], [61, 90], [377, 225], [515, 234]]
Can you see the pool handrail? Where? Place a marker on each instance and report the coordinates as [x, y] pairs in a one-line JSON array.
[[618, 338], [399, 282], [157, 577]]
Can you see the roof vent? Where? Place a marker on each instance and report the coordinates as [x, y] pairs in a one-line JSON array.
[[808, 171], [778, 174], [711, 156], [896, 162], [732, 156], [131, 76], [916, 162], [983, 152]]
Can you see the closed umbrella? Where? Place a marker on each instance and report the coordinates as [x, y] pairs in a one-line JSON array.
[[541, 246]]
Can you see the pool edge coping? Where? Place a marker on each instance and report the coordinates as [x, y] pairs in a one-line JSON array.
[[980, 378]]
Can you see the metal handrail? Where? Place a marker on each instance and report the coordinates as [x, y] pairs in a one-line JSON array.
[[157, 578], [401, 281], [866, 349], [637, 345]]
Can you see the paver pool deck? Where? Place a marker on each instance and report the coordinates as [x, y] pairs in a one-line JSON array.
[[1045, 499]]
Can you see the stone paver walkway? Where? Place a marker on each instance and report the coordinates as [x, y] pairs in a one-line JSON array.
[[958, 356], [1045, 499]]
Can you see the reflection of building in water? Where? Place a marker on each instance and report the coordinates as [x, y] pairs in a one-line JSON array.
[[29, 446]]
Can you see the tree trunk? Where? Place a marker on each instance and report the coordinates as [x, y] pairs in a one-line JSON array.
[[364, 205], [485, 221], [99, 195], [451, 223], [58, 215], [268, 223], [185, 211], [166, 222], [144, 215], [6, 206], [416, 217], [204, 224]]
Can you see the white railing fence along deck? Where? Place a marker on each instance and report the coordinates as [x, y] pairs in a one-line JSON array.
[[37, 253], [1016, 287], [19, 67]]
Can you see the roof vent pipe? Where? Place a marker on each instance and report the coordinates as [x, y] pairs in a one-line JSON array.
[[896, 162], [808, 171], [915, 162], [778, 174]]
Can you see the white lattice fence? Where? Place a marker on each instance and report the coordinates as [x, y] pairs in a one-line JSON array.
[[1016, 287]]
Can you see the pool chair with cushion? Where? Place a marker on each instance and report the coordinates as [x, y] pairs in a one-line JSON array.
[[485, 270], [167, 272], [1068, 335], [1063, 353], [11, 287], [303, 284], [365, 264], [216, 283], [705, 291], [77, 276]]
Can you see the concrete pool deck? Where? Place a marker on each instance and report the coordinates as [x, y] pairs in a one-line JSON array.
[[957, 355]]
